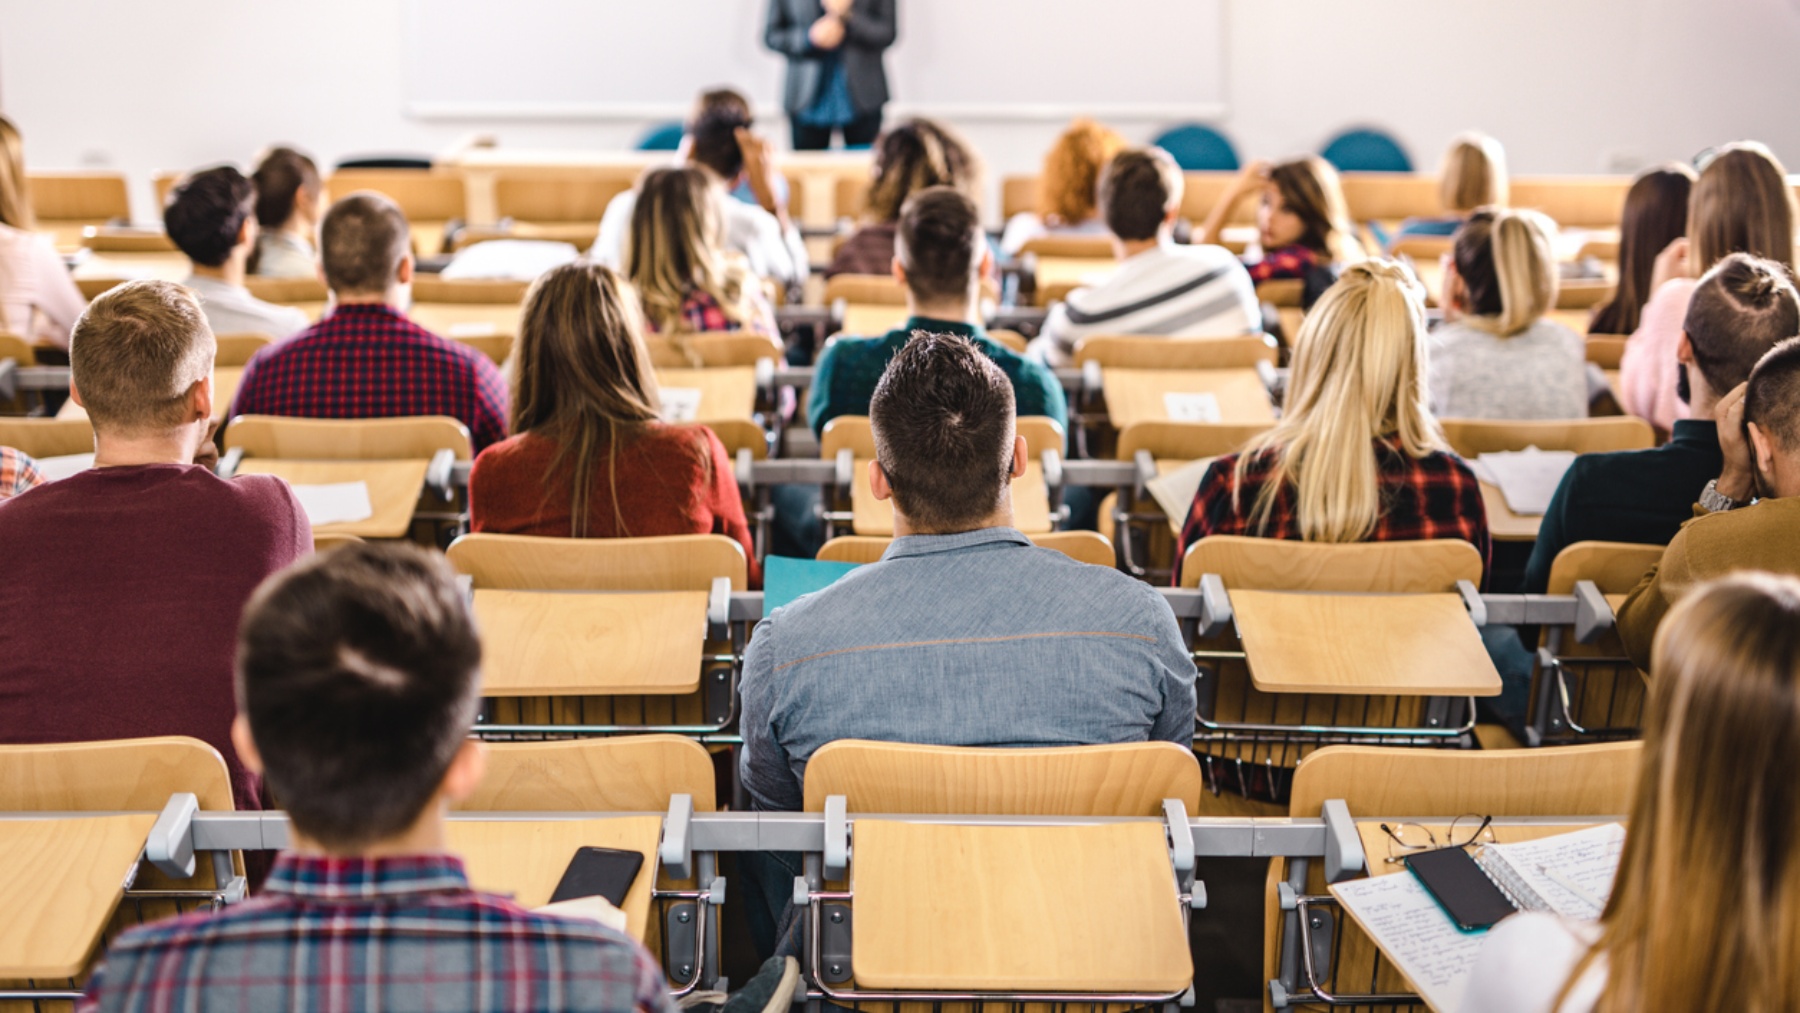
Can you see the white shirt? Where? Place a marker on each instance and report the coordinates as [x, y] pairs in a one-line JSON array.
[[1025, 226], [1170, 290], [284, 255], [1538, 373], [771, 252], [38, 300], [231, 309], [1524, 963]]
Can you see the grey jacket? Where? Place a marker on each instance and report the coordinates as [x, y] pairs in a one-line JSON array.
[[868, 30]]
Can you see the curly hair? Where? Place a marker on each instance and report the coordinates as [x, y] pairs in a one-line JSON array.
[[1067, 189]]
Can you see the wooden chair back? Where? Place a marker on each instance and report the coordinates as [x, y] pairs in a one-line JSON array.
[[1202, 190], [663, 563], [1011, 339], [122, 774], [389, 439], [288, 291], [1283, 293], [850, 196], [634, 773], [1606, 350], [1420, 248], [1185, 441], [854, 433], [559, 196], [426, 195], [1277, 564], [1593, 780], [1081, 546], [162, 183], [1083, 247], [1614, 567], [741, 434], [125, 239], [429, 288], [236, 349], [1592, 202], [16, 348], [47, 437], [1018, 194], [93, 197], [1131, 779], [1120, 351], [711, 349], [1473, 437], [1383, 196], [865, 290]]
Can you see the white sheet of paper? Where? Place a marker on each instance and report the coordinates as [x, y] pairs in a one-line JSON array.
[[1526, 478], [1587, 858], [680, 404], [1175, 491], [1200, 407], [473, 329], [594, 909], [518, 259], [55, 468], [1414, 933], [338, 503]]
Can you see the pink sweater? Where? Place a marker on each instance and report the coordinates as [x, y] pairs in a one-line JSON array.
[[1647, 373], [38, 300]]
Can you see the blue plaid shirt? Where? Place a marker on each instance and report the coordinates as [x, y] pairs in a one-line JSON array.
[[394, 934]]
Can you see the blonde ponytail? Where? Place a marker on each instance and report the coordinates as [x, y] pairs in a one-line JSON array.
[[1507, 264]]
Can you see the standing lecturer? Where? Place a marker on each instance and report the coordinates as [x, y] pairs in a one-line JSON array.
[[835, 80]]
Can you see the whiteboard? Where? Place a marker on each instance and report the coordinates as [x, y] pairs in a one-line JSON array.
[[1001, 59]]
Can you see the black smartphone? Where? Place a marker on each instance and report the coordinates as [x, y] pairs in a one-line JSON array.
[[1459, 886], [599, 872]]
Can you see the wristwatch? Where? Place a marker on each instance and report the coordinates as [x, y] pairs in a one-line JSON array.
[[1715, 502]]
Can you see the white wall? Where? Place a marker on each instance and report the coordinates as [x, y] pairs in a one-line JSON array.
[[1568, 85]]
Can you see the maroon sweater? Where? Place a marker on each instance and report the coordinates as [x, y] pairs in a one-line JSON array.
[[120, 602]]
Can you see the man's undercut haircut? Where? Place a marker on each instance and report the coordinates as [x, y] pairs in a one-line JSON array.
[[1740, 309], [1138, 189], [206, 213], [358, 671], [712, 140], [1772, 400], [361, 243], [940, 244], [943, 421], [135, 354], [283, 178]]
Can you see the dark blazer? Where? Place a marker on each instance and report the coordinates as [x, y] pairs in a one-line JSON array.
[[868, 31]]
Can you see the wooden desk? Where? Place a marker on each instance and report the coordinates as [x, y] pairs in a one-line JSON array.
[[1057, 276], [551, 643], [1030, 497], [872, 320], [225, 384], [1066, 908], [526, 858], [1503, 524], [1137, 395], [468, 320], [134, 267], [394, 488], [60, 880], [1398, 644], [725, 393]]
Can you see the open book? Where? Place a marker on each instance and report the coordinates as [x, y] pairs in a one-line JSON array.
[[1416, 935]]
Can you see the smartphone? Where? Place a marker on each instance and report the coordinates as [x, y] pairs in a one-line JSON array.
[[599, 872], [1461, 888]]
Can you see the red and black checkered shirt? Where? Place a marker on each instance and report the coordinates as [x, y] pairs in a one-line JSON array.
[[369, 361], [1435, 496]]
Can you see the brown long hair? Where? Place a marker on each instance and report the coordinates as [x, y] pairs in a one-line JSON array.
[[1309, 188], [582, 377], [678, 247], [1741, 203], [15, 191], [916, 154], [1705, 909], [1069, 187], [1656, 214]]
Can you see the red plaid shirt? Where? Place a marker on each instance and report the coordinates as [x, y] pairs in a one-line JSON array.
[[1283, 262], [18, 472], [1435, 496], [702, 313], [369, 361]]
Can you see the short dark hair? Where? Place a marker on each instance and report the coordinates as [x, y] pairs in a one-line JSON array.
[[282, 178], [358, 672], [1739, 310], [939, 242], [1772, 400], [943, 422], [712, 140], [362, 241], [206, 212], [1137, 190]]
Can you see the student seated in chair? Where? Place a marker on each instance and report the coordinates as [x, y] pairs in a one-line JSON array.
[[124, 583], [357, 683], [288, 204], [941, 258], [1739, 310], [18, 472], [1704, 905], [1748, 517], [211, 218], [366, 359], [1160, 288]]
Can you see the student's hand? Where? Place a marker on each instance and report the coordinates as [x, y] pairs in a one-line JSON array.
[[1737, 479], [837, 8], [827, 32], [207, 455], [1255, 174], [1672, 262]]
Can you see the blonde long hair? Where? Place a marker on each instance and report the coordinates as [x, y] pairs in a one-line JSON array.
[[1474, 174], [15, 190], [1358, 376], [1507, 262], [1705, 909], [677, 248]]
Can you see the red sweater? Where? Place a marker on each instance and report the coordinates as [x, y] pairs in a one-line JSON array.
[[664, 488], [120, 604]]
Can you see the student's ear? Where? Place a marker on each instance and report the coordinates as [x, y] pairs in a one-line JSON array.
[[1171, 216], [200, 397], [1762, 449], [987, 262], [878, 482], [247, 231], [1684, 350], [405, 275], [75, 393], [1021, 456], [1454, 295], [899, 272], [245, 745], [466, 770]]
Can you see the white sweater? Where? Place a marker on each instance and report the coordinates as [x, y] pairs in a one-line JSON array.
[[1524, 963], [1539, 373], [1169, 291]]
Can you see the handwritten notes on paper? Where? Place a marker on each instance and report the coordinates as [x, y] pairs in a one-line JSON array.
[[338, 503], [1416, 935], [1538, 874]]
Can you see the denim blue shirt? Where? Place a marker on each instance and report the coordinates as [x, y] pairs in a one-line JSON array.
[[973, 639], [832, 106]]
